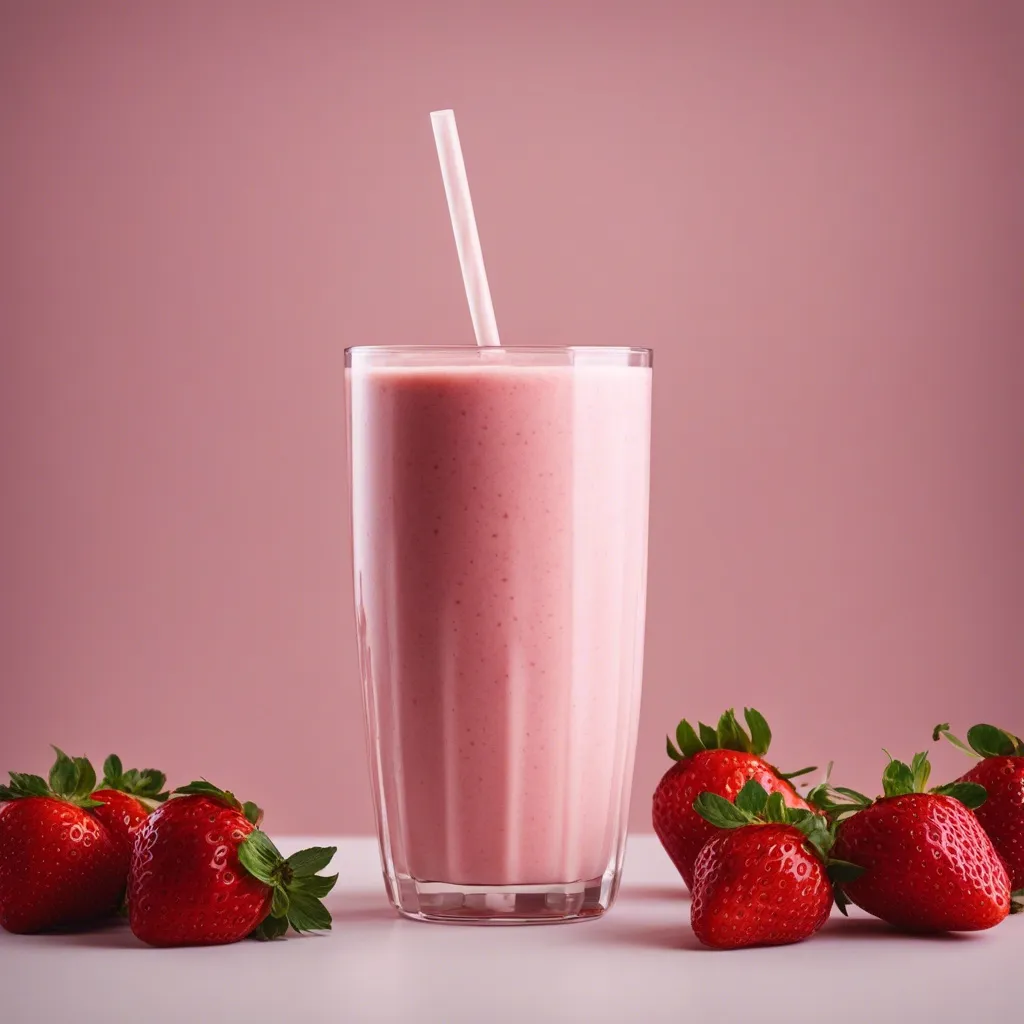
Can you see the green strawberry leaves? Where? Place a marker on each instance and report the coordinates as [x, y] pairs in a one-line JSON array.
[[901, 779], [298, 889], [970, 793], [835, 801], [755, 806], [722, 813], [1017, 902], [71, 779], [147, 784], [203, 787], [728, 735], [983, 741]]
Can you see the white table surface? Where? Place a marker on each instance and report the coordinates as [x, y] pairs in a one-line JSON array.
[[639, 963]]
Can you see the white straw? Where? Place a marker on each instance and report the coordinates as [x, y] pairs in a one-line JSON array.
[[467, 241]]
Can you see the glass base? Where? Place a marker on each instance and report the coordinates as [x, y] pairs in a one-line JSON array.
[[503, 904]]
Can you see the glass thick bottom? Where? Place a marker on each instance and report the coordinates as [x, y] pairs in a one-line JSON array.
[[552, 903]]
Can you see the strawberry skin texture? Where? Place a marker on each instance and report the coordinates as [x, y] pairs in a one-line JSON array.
[[682, 831], [58, 866], [121, 814], [186, 886], [759, 885], [929, 866], [1002, 814]]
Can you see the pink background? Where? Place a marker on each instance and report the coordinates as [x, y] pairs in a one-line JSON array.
[[812, 211]]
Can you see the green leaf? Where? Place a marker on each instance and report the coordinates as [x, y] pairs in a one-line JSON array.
[[708, 736], [112, 772], [271, 928], [897, 779], [260, 857], [942, 730], [63, 774], [1017, 902], [842, 900], [26, 785], [309, 862], [253, 814], [719, 811], [752, 798], [317, 886], [921, 769], [308, 914], [671, 750], [203, 787], [151, 783], [775, 809], [760, 734], [853, 795], [687, 740], [731, 735], [970, 793], [800, 771], [820, 836], [281, 902], [989, 741], [85, 781], [844, 871]]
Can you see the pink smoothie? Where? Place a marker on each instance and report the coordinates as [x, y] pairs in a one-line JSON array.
[[500, 539]]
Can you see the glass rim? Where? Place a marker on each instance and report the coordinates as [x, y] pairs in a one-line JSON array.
[[525, 349]]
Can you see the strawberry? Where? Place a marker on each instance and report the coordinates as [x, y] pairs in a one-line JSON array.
[[59, 866], [928, 864], [1001, 772], [764, 878], [125, 799], [202, 873], [717, 761]]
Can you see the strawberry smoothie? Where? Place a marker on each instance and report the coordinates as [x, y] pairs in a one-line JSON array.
[[500, 552]]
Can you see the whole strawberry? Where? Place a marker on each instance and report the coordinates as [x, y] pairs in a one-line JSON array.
[[59, 866], [716, 761], [764, 878], [203, 874], [1001, 772], [124, 800], [928, 864]]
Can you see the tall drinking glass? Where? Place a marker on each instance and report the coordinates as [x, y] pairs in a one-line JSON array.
[[499, 531]]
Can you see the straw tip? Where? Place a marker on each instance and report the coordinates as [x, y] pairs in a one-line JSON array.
[[439, 115]]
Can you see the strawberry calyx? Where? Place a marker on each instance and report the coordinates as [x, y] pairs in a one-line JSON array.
[[146, 785], [202, 787], [728, 735], [71, 779], [1017, 902], [755, 806], [298, 889], [835, 801], [983, 741], [898, 779]]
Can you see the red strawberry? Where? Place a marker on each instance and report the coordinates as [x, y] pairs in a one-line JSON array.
[[125, 799], [928, 864], [59, 866], [1001, 772], [717, 761], [764, 878], [203, 874]]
